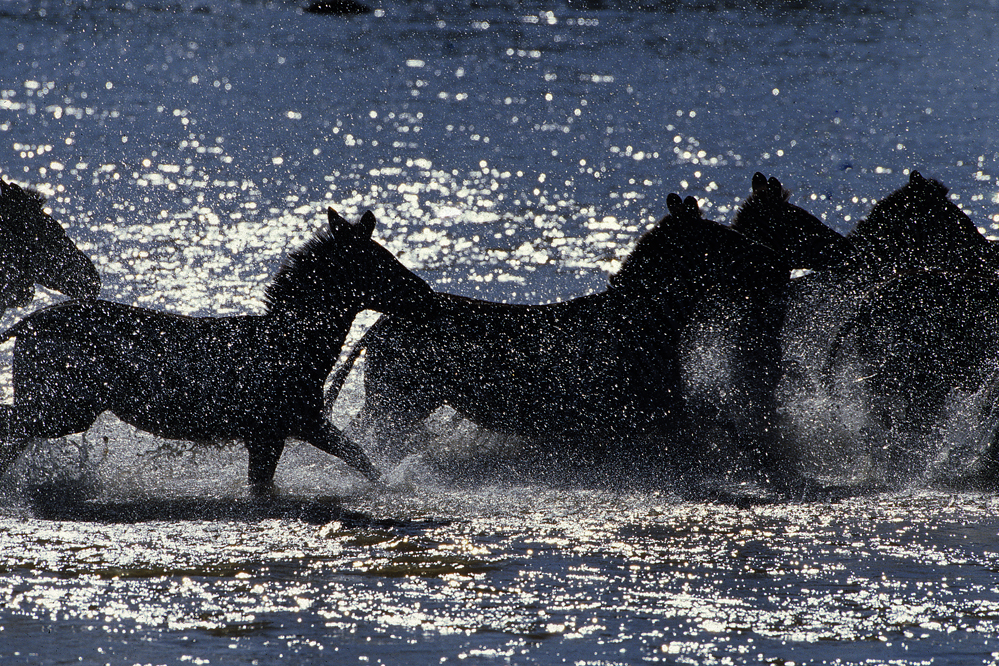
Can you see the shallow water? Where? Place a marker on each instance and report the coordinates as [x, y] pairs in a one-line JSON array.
[[507, 575], [512, 151]]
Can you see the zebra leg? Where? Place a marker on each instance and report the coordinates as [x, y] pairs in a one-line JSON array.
[[12, 437], [19, 424], [264, 453], [325, 437]]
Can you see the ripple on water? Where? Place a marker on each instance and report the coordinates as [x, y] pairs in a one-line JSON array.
[[574, 567], [514, 156]]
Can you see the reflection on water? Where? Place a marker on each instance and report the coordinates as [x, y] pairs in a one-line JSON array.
[[512, 151], [486, 140], [532, 574]]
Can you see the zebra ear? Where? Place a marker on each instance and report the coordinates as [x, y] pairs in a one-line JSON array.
[[366, 225], [776, 190], [691, 209], [759, 184], [337, 223], [675, 204]]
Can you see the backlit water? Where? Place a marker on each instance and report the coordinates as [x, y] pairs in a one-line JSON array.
[[512, 151]]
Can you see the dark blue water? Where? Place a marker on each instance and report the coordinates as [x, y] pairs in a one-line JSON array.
[[513, 151]]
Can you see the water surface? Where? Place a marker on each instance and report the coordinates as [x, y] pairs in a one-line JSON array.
[[512, 151]]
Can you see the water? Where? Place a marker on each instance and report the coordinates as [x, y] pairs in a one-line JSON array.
[[510, 151]]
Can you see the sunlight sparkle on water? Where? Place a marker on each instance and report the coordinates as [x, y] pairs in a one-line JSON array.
[[512, 156]]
